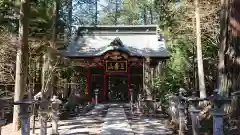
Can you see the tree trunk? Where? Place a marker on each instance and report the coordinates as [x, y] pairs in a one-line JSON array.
[[96, 12], [21, 61], [44, 76], [223, 79], [144, 16], [116, 12], [49, 66], [151, 15], [202, 88], [56, 6], [69, 22], [229, 55]]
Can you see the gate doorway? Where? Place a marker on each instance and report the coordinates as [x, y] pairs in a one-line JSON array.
[[117, 89]]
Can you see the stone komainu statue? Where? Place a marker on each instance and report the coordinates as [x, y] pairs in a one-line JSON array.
[[74, 101]]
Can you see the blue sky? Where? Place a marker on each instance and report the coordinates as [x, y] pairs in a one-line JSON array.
[[102, 2]]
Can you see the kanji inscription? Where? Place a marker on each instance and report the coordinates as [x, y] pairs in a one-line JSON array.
[[116, 66]]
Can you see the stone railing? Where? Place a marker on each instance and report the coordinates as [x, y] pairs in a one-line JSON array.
[[43, 112], [180, 107], [46, 109]]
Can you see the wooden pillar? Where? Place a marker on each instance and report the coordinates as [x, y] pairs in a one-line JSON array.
[[88, 81], [129, 80], [65, 92], [105, 86], [151, 75], [146, 79]]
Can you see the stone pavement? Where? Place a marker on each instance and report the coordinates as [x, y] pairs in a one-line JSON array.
[[89, 123], [116, 123], [148, 125], [107, 119]]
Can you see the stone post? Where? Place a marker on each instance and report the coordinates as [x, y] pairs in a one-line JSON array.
[[194, 111], [24, 116], [96, 96], [34, 118], [139, 103], [218, 112], [2, 123], [131, 99], [181, 119], [181, 108], [43, 112], [55, 111], [2, 120]]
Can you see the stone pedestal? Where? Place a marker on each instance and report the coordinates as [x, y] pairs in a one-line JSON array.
[[24, 115], [43, 122], [2, 123], [182, 124], [139, 103], [96, 96], [131, 99], [181, 109], [43, 112], [25, 124], [195, 121], [194, 111], [55, 112], [218, 112], [2, 120], [218, 122], [34, 118]]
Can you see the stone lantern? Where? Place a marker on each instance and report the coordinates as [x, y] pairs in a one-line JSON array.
[[24, 115], [131, 99], [96, 96], [218, 111], [55, 112], [2, 120]]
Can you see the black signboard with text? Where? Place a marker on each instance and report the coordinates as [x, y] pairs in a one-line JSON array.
[[116, 66]]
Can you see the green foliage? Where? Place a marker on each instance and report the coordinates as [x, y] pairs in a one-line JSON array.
[[128, 12], [177, 21]]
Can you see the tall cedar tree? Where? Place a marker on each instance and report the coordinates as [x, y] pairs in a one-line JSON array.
[[21, 60]]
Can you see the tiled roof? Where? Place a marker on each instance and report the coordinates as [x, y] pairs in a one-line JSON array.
[[135, 40]]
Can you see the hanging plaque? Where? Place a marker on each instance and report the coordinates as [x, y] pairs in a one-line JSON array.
[[116, 66]]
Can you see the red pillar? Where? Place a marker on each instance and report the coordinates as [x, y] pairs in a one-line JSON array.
[[105, 86], [88, 82], [129, 80]]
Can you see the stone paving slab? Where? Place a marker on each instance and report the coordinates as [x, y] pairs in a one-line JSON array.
[[7, 130], [147, 125], [150, 126], [107, 119], [116, 123], [89, 123]]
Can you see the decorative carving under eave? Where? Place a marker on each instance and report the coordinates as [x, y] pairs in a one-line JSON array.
[[115, 56], [134, 59], [97, 59], [136, 63], [87, 63], [94, 64]]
